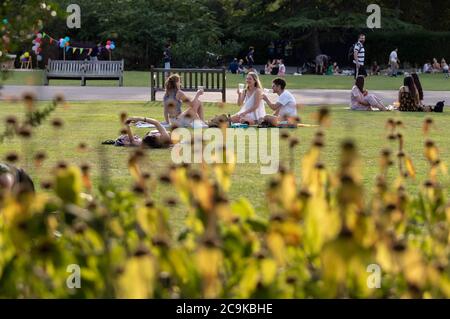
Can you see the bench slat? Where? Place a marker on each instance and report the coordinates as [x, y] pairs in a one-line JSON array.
[[212, 80], [84, 70]]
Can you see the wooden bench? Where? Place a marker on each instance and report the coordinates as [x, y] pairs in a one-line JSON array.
[[84, 70], [212, 80], [103, 70]]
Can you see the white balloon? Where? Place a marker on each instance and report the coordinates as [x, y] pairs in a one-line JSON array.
[[39, 57], [39, 35]]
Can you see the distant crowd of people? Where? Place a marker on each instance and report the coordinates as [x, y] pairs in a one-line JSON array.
[[436, 67], [273, 67]]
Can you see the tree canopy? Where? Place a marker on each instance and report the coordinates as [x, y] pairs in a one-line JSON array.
[[202, 30]]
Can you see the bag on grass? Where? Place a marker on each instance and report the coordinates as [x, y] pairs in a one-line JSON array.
[[219, 121], [439, 107]]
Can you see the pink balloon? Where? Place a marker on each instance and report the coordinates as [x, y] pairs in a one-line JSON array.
[[108, 42], [108, 47]]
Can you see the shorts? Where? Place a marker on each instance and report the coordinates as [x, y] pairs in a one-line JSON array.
[[361, 71], [287, 112]]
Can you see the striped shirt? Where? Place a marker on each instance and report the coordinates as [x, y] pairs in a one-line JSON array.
[[359, 49]]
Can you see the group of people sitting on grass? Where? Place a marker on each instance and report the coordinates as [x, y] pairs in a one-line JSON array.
[[436, 67], [410, 97], [252, 112]]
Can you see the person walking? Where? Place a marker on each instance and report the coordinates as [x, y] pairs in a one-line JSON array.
[[167, 58], [394, 62], [249, 58], [359, 56]]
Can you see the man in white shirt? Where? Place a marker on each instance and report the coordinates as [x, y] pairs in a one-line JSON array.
[[359, 56], [394, 62], [285, 109]]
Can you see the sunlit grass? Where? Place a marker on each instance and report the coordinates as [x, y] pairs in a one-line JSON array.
[[94, 122]]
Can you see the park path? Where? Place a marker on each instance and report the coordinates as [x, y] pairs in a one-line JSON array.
[[90, 93]]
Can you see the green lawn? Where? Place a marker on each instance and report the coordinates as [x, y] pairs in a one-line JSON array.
[[431, 82], [93, 122]]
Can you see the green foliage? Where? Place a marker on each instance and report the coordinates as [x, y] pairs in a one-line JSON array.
[[415, 48], [322, 233]]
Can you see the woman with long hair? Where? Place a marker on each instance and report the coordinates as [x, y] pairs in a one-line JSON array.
[[251, 102], [418, 86], [361, 100], [408, 96], [173, 99]]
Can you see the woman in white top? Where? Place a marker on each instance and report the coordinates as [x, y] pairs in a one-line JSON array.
[[361, 100], [252, 106]]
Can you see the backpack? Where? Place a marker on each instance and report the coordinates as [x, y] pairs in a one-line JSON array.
[[351, 53], [439, 107]]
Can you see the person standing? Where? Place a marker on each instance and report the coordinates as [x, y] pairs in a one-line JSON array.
[[394, 62], [95, 52], [359, 56], [321, 62], [167, 56], [249, 58]]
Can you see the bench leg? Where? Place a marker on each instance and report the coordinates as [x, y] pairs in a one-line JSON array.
[[83, 82], [46, 81], [121, 81]]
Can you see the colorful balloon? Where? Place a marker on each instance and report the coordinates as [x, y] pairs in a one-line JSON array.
[[67, 39], [39, 57], [39, 35], [112, 46], [108, 47], [26, 55], [108, 42]]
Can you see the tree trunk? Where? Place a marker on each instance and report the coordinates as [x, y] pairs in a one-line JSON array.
[[313, 44]]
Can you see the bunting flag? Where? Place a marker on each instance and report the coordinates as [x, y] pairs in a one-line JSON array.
[[56, 42]]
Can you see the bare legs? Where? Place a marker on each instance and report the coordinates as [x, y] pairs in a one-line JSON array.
[[375, 102]]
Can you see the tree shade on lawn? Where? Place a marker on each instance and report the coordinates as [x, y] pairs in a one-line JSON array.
[[431, 82]]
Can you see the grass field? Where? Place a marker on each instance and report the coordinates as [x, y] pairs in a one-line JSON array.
[[93, 122], [431, 82]]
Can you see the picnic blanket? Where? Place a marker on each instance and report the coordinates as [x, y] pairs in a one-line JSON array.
[[201, 124], [194, 124]]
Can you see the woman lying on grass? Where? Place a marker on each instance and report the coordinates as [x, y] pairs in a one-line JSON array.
[[361, 100], [173, 99], [158, 138]]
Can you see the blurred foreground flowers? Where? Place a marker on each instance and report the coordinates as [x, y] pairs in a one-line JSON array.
[[320, 240]]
